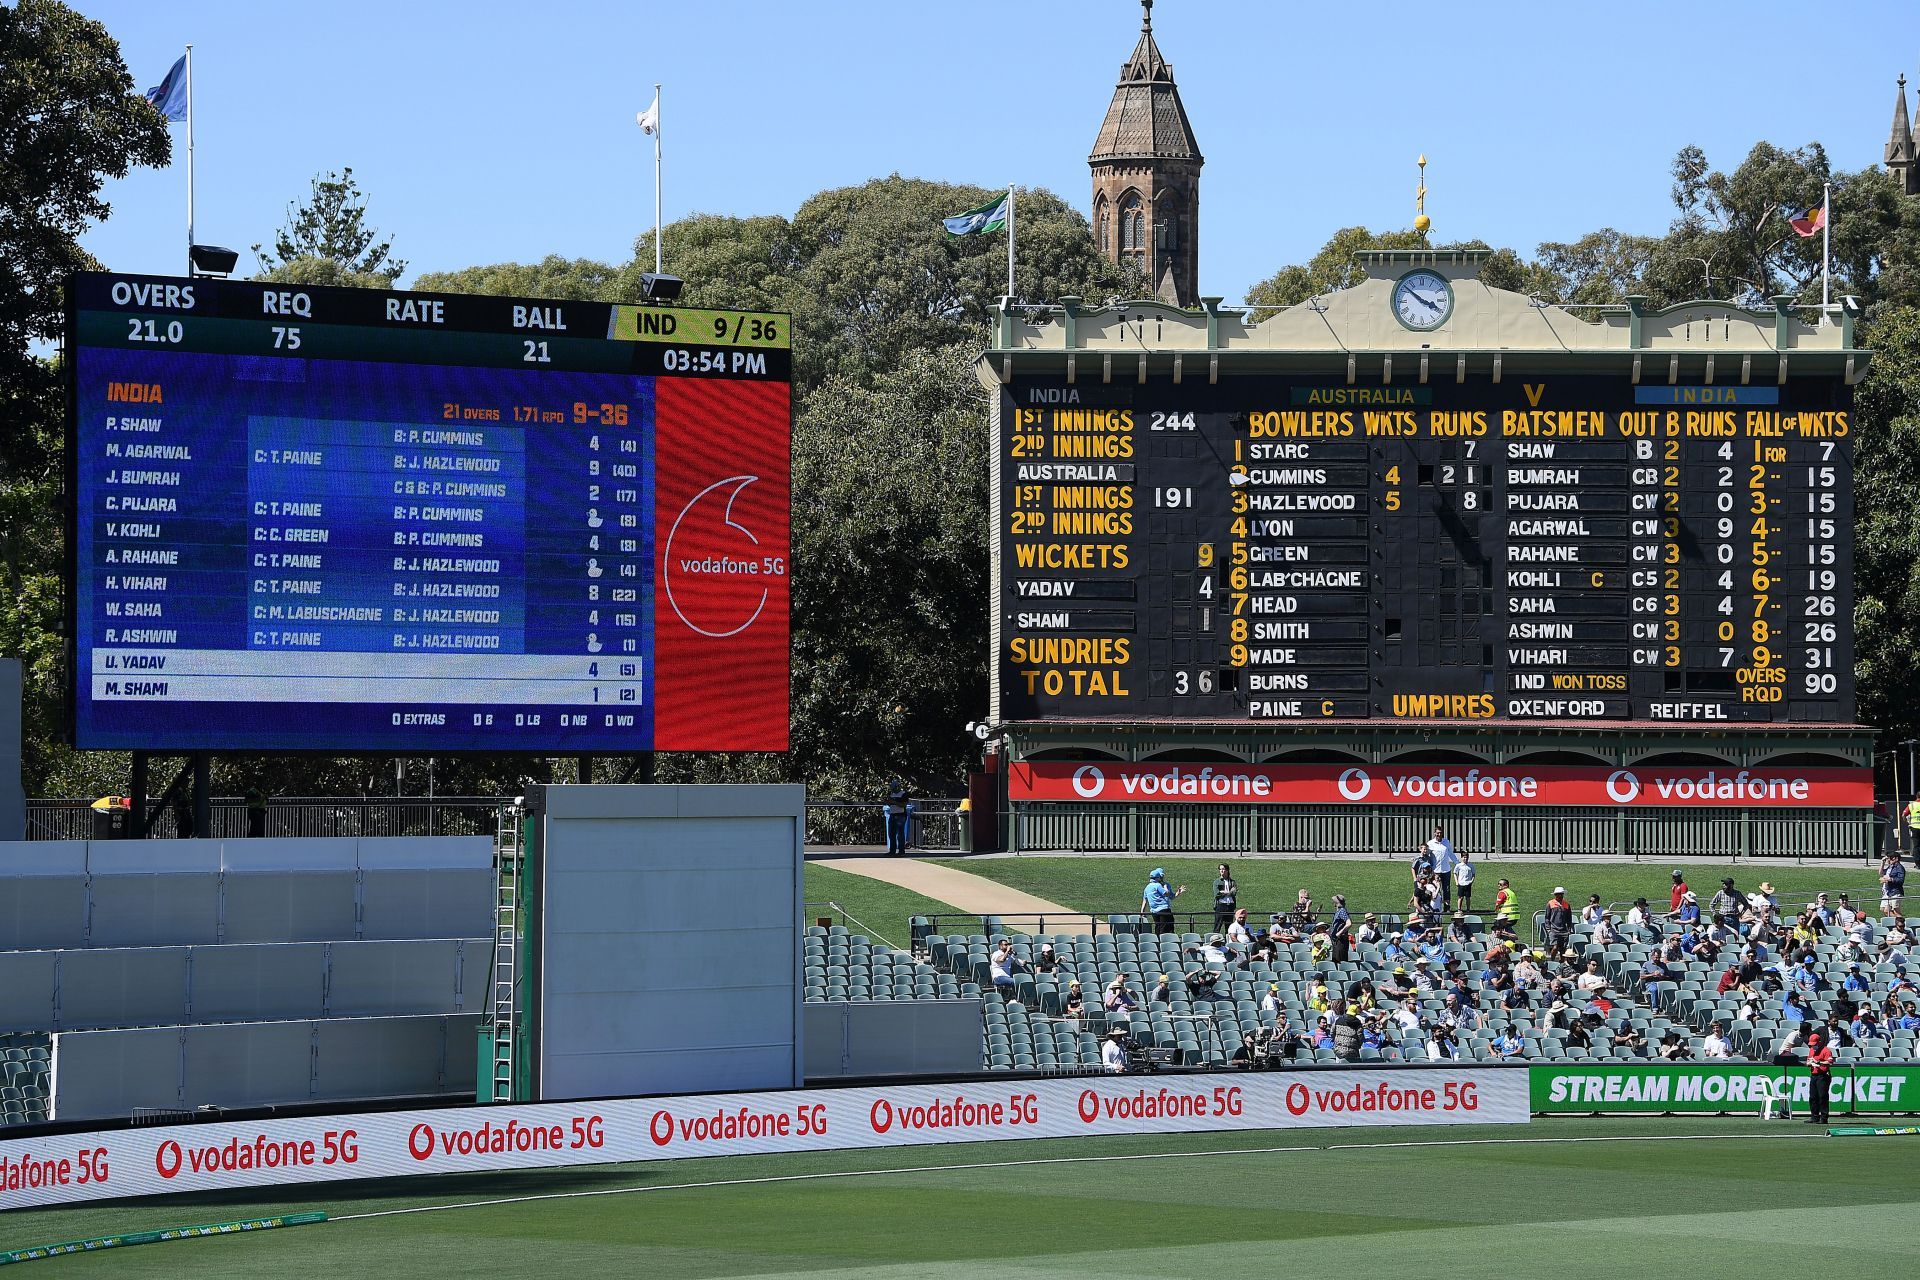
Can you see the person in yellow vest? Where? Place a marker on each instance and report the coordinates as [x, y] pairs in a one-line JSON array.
[[1913, 824], [1505, 905]]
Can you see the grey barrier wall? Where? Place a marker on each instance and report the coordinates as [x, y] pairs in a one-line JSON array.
[[105, 987], [45, 904], [13, 800], [101, 1075], [668, 939], [893, 1038], [130, 893]]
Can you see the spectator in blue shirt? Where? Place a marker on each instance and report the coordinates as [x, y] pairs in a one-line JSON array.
[[1689, 912], [1509, 1044], [1855, 980], [1806, 974], [1794, 1009], [1909, 1019], [1157, 898], [1867, 1027]]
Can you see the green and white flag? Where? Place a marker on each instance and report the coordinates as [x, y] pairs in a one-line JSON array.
[[990, 216]]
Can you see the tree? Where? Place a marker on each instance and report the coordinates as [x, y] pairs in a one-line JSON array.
[[1886, 553], [551, 277], [332, 224], [69, 120], [1331, 268]]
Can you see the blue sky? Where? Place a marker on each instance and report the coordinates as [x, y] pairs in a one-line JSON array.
[[488, 132]]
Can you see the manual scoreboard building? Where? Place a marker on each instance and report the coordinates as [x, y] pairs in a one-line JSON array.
[[1289, 581]]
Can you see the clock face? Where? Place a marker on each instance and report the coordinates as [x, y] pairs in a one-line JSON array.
[[1422, 300]]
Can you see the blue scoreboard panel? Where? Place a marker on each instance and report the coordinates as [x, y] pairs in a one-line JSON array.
[[331, 519]]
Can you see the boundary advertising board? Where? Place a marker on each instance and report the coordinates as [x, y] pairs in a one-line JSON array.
[[1332, 784], [131, 1162], [1702, 1088]]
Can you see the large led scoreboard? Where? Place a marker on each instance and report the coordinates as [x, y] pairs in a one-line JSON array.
[[335, 519], [1539, 548]]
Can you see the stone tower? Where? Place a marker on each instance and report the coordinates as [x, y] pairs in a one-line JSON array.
[[1900, 146], [1146, 176]]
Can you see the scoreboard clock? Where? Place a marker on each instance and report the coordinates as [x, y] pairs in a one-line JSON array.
[[1547, 548], [317, 519]]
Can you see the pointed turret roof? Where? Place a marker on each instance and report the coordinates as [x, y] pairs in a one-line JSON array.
[[1900, 144], [1145, 119]]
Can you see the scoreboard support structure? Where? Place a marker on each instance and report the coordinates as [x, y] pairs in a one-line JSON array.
[[1425, 549]]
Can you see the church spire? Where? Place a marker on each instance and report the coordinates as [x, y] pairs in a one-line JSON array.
[[1900, 153]]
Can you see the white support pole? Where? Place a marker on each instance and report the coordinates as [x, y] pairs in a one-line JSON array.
[[1009, 242], [1826, 246], [658, 256], [189, 159]]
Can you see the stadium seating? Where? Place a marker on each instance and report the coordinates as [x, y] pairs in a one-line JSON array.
[[239, 972], [1025, 1029]]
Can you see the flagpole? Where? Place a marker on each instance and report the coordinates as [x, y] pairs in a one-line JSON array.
[[1826, 245], [1009, 242], [658, 257], [189, 159]]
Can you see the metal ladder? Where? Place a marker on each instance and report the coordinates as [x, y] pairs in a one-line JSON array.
[[505, 1010]]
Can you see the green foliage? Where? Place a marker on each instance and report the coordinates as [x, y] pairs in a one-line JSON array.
[[332, 224], [1331, 268], [1886, 555], [310, 270], [69, 119], [551, 277]]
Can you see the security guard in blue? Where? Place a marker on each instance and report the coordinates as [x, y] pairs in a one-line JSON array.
[[1157, 898]]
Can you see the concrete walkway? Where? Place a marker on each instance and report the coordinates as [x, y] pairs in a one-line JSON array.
[[964, 892]]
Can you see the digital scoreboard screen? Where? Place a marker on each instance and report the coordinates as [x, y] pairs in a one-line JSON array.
[[319, 519], [1543, 548]]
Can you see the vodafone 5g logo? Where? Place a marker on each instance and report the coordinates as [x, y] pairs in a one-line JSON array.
[[1089, 782]]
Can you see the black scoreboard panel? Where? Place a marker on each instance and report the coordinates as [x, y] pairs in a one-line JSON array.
[[1557, 548]]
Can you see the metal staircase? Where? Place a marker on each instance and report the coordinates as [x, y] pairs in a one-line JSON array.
[[500, 1075]]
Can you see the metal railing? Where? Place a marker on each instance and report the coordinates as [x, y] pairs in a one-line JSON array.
[[285, 816], [1538, 833], [935, 828]]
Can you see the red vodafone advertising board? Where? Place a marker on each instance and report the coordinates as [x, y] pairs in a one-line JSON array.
[[721, 486], [1335, 784]]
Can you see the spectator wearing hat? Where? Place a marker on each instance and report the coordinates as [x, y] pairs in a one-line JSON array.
[[1340, 929], [1679, 891], [1113, 1054], [1672, 1046], [1162, 992], [1397, 985], [1347, 1032], [1866, 1025], [1045, 960], [1689, 912], [1463, 882], [1369, 930], [1820, 1069], [1508, 1044], [1557, 922], [1855, 979], [1442, 1046], [1606, 933], [1120, 998], [1630, 1038], [1271, 1003], [1075, 1004], [1156, 900]]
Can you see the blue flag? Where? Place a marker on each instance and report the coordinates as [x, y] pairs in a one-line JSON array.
[[169, 97]]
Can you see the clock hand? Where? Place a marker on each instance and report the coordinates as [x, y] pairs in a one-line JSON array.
[[1426, 302]]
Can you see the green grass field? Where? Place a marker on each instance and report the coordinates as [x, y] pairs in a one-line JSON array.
[[1113, 884], [1322, 1202], [884, 908]]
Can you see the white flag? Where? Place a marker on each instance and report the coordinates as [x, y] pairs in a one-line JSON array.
[[649, 120]]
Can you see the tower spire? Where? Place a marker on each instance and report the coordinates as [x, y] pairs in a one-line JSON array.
[[1900, 153]]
